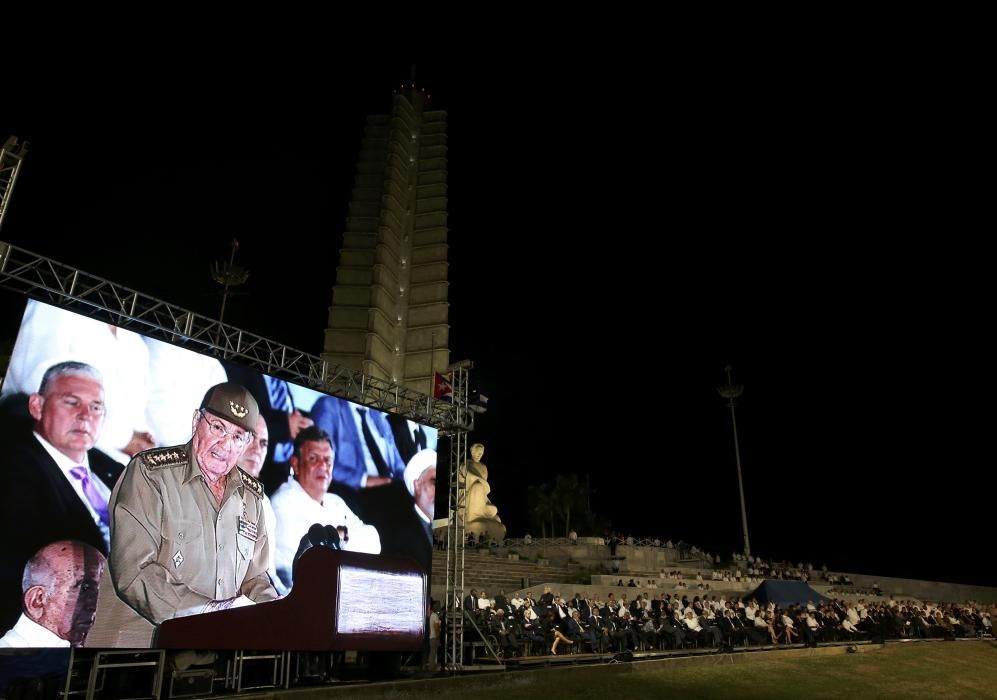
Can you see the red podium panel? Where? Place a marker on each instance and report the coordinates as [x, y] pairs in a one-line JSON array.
[[340, 601]]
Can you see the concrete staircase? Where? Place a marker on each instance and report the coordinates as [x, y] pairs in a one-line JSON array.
[[484, 569]]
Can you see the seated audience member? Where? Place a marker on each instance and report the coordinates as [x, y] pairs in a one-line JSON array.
[[708, 635], [251, 462], [471, 601], [59, 601], [304, 501], [54, 484], [555, 633], [670, 635], [849, 627], [789, 628], [49, 333], [765, 622], [505, 632]]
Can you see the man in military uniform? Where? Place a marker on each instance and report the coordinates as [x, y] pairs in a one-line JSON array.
[[188, 530]]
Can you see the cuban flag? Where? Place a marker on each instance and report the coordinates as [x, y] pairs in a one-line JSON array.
[[443, 388]]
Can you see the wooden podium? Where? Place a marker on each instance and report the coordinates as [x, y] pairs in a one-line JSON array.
[[340, 601]]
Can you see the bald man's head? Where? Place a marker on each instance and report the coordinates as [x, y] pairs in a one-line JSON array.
[[60, 586]]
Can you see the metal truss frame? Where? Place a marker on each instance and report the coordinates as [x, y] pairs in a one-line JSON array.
[[62, 285], [454, 604], [51, 281], [11, 156]]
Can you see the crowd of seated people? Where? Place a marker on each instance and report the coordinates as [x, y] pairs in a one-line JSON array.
[[677, 580], [668, 619], [740, 567], [549, 624]]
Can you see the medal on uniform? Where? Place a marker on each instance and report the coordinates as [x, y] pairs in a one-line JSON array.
[[246, 528], [177, 559]]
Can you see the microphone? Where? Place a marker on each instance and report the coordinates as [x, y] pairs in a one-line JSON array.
[[315, 537], [331, 537]]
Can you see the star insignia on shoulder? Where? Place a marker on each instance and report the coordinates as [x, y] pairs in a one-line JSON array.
[[252, 482], [165, 457]]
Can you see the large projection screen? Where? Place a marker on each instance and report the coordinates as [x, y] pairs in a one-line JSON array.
[[83, 564]]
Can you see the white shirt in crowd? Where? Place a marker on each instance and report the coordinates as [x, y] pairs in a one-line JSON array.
[[296, 511], [692, 622], [28, 633]]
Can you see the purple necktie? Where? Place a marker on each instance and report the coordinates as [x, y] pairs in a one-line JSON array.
[[92, 494]]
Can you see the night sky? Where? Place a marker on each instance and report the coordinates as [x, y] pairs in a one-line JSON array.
[[617, 237]]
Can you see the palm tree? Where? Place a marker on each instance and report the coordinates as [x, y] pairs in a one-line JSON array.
[[570, 495], [540, 503]]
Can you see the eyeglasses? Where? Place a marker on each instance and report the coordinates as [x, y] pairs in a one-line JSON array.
[[218, 431], [315, 459]]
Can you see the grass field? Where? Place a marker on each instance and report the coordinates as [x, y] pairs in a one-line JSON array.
[[939, 670], [910, 671]]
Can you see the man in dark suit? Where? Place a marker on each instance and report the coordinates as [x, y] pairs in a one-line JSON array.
[[53, 485], [597, 625], [506, 634], [410, 437], [402, 511], [366, 454], [584, 606], [728, 629]]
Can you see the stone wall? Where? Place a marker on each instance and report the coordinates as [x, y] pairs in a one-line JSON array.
[[646, 562], [596, 556], [901, 588]]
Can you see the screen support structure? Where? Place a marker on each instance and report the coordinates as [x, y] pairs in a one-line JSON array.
[[73, 289], [454, 607], [456, 616], [53, 282], [11, 156]]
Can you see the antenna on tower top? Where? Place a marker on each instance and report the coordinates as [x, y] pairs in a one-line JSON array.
[[228, 275]]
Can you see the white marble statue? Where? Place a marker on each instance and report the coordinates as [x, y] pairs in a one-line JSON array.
[[481, 514]]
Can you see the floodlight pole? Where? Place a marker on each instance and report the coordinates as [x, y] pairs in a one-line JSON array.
[[731, 391], [228, 276]]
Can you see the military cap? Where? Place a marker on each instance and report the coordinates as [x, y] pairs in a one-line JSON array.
[[234, 403]]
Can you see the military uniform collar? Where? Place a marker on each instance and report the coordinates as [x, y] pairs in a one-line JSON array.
[[193, 470]]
